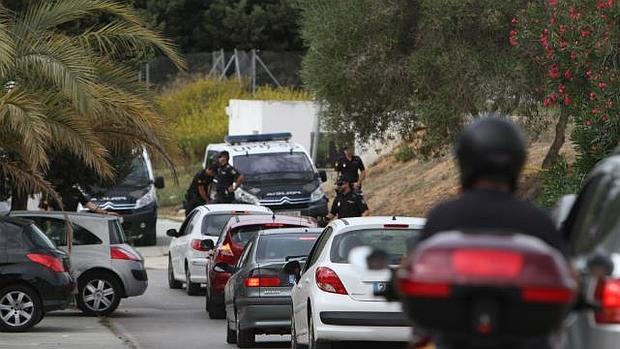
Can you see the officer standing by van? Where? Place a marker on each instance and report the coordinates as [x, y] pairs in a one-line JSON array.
[[352, 167], [347, 203], [198, 192], [227, 180]]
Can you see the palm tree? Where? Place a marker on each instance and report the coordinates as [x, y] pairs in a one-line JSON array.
[[75, 93]]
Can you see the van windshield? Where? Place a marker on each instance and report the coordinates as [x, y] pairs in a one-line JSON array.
[[285, 164], [139, 174]]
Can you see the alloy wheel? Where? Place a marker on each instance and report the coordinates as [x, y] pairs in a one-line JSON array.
[[16, 308], [98, 295]]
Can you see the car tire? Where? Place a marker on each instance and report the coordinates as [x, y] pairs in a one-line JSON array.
[[231, 335], [99, 293], [172, 282], [315, 343], [193, 289], [150, 237], [245, 338], [23, 301], [215, 311]]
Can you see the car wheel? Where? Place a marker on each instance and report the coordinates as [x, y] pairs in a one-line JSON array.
[[172, 282], [99, 294], [245, 338], [193, 289], [314, 342], [20, 308], [231, 335]]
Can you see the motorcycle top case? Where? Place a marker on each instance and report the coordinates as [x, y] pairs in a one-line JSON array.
[[505, 286]]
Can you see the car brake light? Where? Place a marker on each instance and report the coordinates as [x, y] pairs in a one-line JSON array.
[[425, 289], [546, 295], [608, 295], [328, 281], [396, 226], [120, 253], [197, 245], [50, 262], [487, 263], [262, 281], [273, 225]]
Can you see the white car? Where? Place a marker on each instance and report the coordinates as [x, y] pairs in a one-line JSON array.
[[187, 258], [335, 301]]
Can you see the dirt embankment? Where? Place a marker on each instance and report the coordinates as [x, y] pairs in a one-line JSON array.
[[412, 188]]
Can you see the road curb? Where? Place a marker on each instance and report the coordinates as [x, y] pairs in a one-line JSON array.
[[120, 332]]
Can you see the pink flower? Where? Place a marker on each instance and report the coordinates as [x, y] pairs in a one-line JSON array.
[[602, 85], [561, 88], [567, 100], [605, 118], [585, 33], [588, 122], [562, 28], [574, 14], [596, 110], [554, 72], [592, 96], [553, 3], [563, 44], [568, 75], [514, 21], [589, 73]]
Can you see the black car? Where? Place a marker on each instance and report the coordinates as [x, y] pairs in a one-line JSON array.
[[258, 295], [34, 275]]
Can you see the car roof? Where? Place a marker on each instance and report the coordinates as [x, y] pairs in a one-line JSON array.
[[237, 221], [269, 147], [20, 222], [375, 222], [236, 208], [300, 230], [63, 213]]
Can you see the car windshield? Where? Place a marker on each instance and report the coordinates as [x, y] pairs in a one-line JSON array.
[[279, 247], [394, 242], [117, 235], [139, 174], [286, 164], [37, 237]]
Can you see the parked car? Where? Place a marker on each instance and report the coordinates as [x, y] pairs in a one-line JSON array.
[[187, 258], [106, 268], [592, 230], [34, 275], [235, 235], [258, 295], [334, 301]]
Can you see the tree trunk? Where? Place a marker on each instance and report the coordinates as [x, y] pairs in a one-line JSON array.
[[560, 134]]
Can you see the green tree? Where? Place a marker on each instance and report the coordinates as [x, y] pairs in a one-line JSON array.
[[71, 93]]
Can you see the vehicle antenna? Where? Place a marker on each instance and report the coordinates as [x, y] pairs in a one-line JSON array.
[[273, 217], [393, 218]]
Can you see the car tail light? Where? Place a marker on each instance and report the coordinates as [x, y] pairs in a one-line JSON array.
[[197, 245], [50, 262], [120, 253], [328, 281], [608, 295], [262, 281]]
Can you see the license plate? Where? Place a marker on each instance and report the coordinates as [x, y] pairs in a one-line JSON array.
[[289, 213], [378, 287]]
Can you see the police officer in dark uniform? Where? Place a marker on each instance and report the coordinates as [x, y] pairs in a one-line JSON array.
[[198, 192], [226, 180], [352, 167], [491, 153], [347, 203], [73, 196]]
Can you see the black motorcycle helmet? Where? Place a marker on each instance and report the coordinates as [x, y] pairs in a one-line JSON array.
[[491, 148]]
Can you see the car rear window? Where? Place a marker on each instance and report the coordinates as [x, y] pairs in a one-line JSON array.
[[243, 234], [393, 241], [38, 239], [279, 247], [212, 224], [117, 234]]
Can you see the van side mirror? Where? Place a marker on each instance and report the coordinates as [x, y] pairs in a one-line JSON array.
[[293, 268], [207, 244], [323, 176], [159, 182], [173, 233]]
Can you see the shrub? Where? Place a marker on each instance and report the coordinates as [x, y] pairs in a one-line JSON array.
[[558, 181], [404, 153]]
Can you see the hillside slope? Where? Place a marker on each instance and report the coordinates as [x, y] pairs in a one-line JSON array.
[[412, 188]]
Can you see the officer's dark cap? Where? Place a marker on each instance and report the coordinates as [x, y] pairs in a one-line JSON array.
[[224, 153], [342, 180]]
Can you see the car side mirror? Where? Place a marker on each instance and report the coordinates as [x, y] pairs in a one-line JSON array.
[[323, 176], [222, 267], [600, 265], [173, 233], [159, 182], [207, 244], [293, 268]]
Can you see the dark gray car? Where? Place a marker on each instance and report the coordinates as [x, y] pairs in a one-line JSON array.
[[258, 295]]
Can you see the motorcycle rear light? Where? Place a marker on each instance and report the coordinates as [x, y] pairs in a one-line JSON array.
[[424, 289], [49, 262], [546, 295], [119, 253], [396, 226], [487, 263], [264, 281], [328, 281], [608, 295], [197, 245]]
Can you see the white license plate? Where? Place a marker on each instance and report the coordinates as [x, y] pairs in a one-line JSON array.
[[289, 213]]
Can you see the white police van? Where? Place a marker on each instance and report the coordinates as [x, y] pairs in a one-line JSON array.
[[279, 174]]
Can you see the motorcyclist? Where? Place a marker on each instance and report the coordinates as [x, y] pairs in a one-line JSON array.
[[491, 153]]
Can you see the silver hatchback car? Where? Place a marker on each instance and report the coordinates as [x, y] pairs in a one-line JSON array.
[[105, 266]]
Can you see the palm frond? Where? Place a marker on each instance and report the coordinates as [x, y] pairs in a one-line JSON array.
[[25, 180]]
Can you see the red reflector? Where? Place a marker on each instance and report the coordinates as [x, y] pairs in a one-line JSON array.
[[487, 263], [328, 281], [425, 289], [119, 253], [396, 226], [262, 282], [50, 262], [608, 294], [546, 295]]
